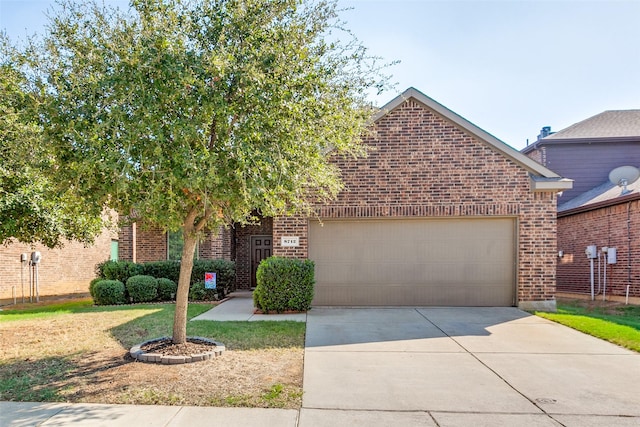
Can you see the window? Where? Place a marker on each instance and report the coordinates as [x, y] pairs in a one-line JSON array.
[[175, 244], [114, 250]]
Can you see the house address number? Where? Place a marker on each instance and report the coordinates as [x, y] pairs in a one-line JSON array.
[[290, 241]]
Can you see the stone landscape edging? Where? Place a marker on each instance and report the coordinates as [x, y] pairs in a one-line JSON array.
[[138, 354]]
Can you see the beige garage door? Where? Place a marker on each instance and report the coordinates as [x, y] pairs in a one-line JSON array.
[[414, 262]]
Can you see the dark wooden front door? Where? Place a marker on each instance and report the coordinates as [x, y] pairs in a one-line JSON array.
[[260, 249]]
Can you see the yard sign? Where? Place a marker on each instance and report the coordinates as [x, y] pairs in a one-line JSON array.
[[209, 280]]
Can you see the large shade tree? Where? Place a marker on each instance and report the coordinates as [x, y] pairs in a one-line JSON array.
[[195, 114], [33, 209]]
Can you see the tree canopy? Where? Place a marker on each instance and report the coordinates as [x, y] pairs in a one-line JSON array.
[[196, 114], [33, 208]]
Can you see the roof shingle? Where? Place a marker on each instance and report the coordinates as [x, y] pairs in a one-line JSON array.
[[608, 124]]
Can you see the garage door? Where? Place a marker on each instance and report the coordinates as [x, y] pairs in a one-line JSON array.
[[414, 262]]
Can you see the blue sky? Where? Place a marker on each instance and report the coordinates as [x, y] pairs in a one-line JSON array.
[[508, 66]]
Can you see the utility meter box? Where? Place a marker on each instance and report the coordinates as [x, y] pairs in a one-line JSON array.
[[612, 256], [36, 257], [591, 251]]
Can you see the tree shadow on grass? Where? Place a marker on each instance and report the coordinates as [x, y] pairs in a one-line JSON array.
[[235, 335], [54, 379], [94, 375]]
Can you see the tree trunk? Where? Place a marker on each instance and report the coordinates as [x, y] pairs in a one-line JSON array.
[[182, 295]]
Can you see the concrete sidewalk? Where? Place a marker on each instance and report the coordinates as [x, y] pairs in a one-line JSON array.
[[446, 367], [15, 414], [239, 307]]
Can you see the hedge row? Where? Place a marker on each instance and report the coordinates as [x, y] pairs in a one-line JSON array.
[[156, 281]]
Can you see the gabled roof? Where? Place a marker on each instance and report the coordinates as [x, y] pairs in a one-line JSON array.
[[606, 194], [542, 179], [608, 124]]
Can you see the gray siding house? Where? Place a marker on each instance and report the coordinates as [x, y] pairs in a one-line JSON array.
[[588, 150]]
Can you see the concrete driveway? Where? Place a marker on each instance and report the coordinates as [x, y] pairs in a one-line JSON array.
[[461, 367]]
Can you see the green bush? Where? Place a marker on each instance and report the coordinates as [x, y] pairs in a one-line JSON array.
[[225, 275], [162, 269], [284, 284], [225, 272], [118, 270], [142, 288], [92, 285], [197, 292], [167, 289], [108, 292]]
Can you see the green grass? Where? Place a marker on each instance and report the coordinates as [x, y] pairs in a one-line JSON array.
[[617, 324], [49, 370], [27, 312], [251, 335], [34, 381], [157, 321]]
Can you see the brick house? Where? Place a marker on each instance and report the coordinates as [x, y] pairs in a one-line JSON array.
[[62, 271], [608, 219], [595, 211], [439, 213]]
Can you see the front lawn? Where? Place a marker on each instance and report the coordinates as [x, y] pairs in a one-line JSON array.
[[75, 352], [613, 322]]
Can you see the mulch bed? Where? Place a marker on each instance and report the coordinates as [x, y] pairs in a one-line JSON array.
[[166, 347], [164, 351]]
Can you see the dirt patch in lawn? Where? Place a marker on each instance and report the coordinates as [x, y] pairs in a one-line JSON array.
[[237, 378], [75, 358]]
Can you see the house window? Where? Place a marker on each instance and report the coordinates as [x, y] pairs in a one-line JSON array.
[[175, 244], [114, 250]]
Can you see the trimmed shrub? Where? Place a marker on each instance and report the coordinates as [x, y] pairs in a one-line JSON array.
[[124, 270], [225, 272], [166, 269], [225, 275], [118, 270], [197, 292], [142, 288], [167, 289], [92, 285], [284, 284], [108, 292]]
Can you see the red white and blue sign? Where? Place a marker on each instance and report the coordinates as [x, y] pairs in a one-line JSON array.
[[209, 280]]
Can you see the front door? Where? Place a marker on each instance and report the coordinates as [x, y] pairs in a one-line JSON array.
[[260, 249]]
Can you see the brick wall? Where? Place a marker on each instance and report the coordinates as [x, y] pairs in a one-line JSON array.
[[151, 244], [126, 236], [62, 271], [216, 244], [142, 243], [288, 227], [422, 165], [615, 226], [539, 155]]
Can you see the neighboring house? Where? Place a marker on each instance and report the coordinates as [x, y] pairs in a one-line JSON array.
[[587, 151], [595, 212], [439, 213], [63, 271]]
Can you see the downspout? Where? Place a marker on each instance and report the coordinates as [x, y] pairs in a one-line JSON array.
[[134, 243], [599, 273], [628, 250]]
